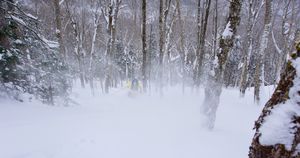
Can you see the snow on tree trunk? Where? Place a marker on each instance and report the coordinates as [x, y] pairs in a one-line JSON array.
[[286, 34], [252, 17], [259, 69], [277, 129], [213, 88], [111, 17], [96, 21], [168, 33], [78, 45], [181, 45]]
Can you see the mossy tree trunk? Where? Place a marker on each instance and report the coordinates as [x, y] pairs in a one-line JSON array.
[[280, 96]]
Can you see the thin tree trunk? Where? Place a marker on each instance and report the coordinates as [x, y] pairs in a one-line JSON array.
[[169, 30], [161, 44], [215, 29], [150, 56], [110, 78], [248, 52], [95, 30], [196, 78], [59, 29], [144, 45], [78, 45], [280, 67], [181, 45], [259, 69], [201, 53]]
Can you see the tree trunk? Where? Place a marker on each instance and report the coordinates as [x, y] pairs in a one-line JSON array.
[[286, 34], [144, 45], [161, 44], [81, 73], [213, 88], [196, 80], [259, 69], [168, 32], [91, 62], [78, 45], [59, 29], [248, 52], [113, 10], [285, 95], [215, 30], [201, 53], [181, 45]]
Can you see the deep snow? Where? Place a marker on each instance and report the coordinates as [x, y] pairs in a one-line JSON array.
[[118, 126]]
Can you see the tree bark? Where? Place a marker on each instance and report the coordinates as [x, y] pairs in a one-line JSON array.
[[280, 97], [59, 29], [181, 45], [113, 10], [259, 69], [213, 88], [196, 80], [144, 44], [96, 20], [161, 44], [249, 48], [78, 45], [201, 53]]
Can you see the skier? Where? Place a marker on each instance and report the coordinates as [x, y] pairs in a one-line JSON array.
[[135, 85]]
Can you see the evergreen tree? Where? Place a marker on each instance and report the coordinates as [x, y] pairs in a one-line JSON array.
[[29, 63]]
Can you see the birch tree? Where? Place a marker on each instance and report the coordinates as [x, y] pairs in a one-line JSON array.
[[253, 12], [163, 14], [78, 49], [95, 26], [259, 69], [110, 12], [286, 32], [181, 46]]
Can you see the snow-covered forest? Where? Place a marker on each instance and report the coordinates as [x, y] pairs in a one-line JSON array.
[[149, 78]]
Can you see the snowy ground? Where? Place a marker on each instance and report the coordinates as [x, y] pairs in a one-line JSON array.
[[117, 126]]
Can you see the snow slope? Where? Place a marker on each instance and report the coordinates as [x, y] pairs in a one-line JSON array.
[[117, 126]]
